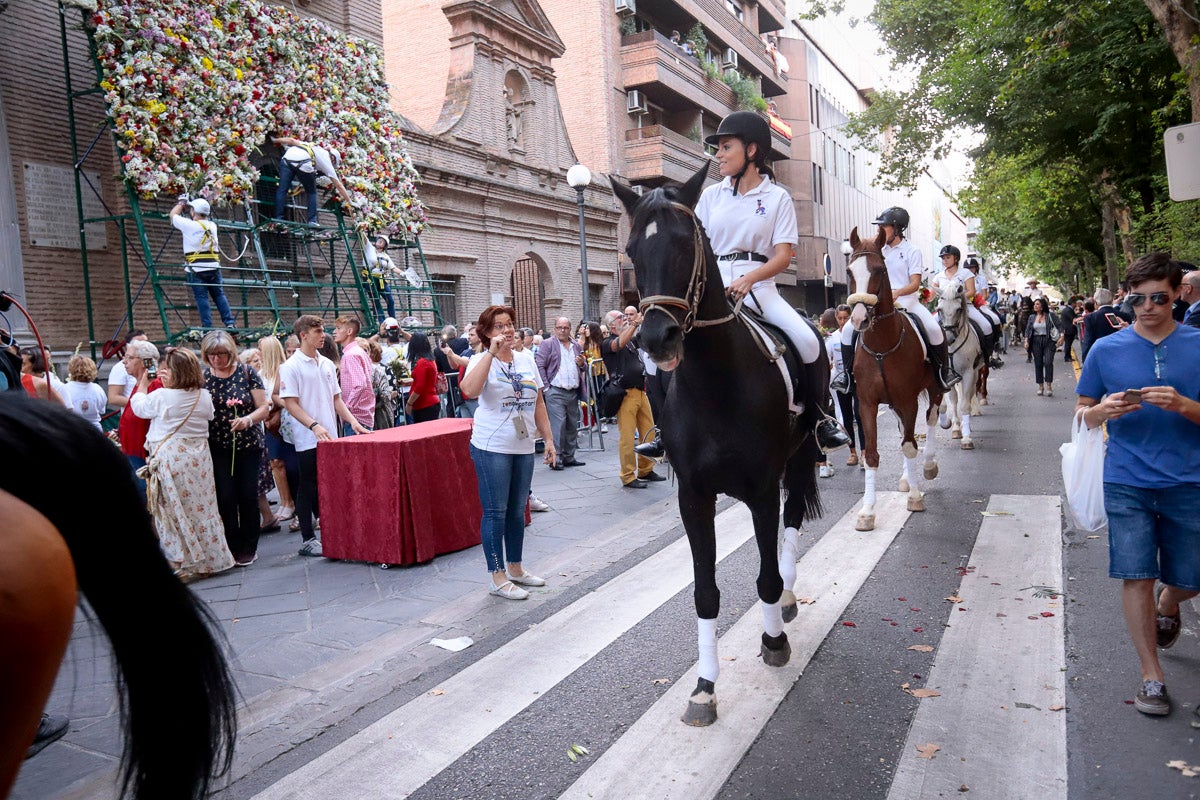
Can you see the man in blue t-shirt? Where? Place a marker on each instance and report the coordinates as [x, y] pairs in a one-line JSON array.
[[1144, 380]]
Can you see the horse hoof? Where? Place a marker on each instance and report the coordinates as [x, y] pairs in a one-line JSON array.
[[967, 444], [702, 705], [903, 485], [865, 522], [943, 421], [790, 612], [916, 504], [930, 471], [909, 449], [787, 603], [956, 435], [984, 402], [778, 655]]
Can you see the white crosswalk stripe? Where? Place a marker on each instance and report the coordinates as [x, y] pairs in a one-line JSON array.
[[992, 658]]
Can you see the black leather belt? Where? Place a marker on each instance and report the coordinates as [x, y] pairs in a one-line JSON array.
[[743, 257]]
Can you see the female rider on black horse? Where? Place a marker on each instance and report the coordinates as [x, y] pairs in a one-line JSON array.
[[751, 224]]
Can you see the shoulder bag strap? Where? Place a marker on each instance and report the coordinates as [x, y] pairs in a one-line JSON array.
[[180, 425]]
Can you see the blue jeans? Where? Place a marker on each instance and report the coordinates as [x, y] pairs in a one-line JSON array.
[[1152, 534], [504, 482], [288, 173], [208, 283], [348, 431], [136, 463]]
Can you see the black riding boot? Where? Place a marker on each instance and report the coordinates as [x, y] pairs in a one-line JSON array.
[[652, 449], [946, 375]]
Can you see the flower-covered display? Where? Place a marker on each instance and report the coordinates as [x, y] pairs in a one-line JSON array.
[[194, 87]]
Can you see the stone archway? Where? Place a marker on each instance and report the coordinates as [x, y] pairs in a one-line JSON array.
[[533, 290]]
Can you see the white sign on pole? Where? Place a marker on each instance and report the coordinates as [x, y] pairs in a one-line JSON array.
[[1182, 147]]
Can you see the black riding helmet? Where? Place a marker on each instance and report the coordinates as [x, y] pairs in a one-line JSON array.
[[895, 216], [748, 127], [951, 250]]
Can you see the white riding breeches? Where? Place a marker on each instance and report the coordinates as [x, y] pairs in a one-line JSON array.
[[909, 303], [992, 315], [985, 324], [768, 302]]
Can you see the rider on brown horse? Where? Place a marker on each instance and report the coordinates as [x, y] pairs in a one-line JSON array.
[[905, 269]]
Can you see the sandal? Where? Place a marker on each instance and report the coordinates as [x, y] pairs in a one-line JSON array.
[[269, 527], [295, 526]]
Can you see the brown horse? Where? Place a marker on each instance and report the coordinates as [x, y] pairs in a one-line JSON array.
[[980, 390], [889, 367]]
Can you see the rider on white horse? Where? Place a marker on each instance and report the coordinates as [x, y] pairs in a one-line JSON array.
[[952, 272], [751, 224], [905, 269]]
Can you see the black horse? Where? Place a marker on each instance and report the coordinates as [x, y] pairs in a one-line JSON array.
[[731, 430], [177, 698]]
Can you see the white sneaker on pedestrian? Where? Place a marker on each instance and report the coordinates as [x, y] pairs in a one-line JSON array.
[[536, 504], [312, 548], [826, 471]]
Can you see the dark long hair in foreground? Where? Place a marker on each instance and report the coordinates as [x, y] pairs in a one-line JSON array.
[[178, 701]]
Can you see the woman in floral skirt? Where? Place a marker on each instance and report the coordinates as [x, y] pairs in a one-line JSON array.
[[182, 500]]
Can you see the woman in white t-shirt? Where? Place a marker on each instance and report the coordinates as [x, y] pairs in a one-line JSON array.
[[82, 393], [511, 413], [751, 224], [184, 506]]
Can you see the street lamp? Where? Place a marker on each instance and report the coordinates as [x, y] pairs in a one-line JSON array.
[[846, 251], [579, 177]]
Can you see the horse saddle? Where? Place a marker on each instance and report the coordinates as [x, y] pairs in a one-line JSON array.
[[777, 346]]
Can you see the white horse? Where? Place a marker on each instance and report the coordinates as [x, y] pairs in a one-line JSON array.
[[965, 353]]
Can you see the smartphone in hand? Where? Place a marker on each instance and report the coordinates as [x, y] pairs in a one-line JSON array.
[[1114, 320], [1132, 396]]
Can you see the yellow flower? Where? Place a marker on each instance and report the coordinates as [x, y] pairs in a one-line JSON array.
[[106, 86], [217, 24], [237, 73], [207, 62]]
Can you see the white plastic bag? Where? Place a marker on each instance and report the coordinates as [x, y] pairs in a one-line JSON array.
[[1083, 475]]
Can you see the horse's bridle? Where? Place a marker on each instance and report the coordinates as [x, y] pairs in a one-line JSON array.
[[868, 299], [696, 284]]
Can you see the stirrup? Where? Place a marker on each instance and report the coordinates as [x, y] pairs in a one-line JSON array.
[[948, 383]]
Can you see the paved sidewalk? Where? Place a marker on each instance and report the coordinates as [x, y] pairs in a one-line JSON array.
[[314, 640]]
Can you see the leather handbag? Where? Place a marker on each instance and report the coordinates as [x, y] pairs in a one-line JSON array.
[[612, 394]]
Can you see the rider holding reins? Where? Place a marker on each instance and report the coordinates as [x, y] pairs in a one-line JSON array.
[[751, 223], [905, 268], [953, 273]]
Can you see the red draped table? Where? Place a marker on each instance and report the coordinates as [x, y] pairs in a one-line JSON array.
[[401, 495]]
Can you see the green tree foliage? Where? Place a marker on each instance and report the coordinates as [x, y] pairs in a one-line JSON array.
[[1065, 104]]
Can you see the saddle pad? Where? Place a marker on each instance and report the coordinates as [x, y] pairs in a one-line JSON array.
[[919, 329], [790, 366]]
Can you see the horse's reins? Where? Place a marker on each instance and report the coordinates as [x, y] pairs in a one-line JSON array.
[[696, 285]]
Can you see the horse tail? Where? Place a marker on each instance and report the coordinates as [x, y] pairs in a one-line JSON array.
[[177, 698], [802, 495]]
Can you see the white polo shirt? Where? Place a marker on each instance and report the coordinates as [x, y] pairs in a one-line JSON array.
[[752, 222], [943, 278], [903, 261], [312, 381]]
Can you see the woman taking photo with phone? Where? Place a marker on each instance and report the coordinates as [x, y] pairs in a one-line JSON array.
[[510, 416], [1042, 338]]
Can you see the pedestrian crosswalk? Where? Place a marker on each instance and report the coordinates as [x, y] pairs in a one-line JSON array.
[[997, 674]]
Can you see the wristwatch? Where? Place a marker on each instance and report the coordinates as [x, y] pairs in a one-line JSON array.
[[315, 423]]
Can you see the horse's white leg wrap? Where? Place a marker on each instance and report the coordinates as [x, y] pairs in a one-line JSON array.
[[914, 477], [966, 425], [931, 442], [772, 619], [710, 667], [788, 557], [869, 491]]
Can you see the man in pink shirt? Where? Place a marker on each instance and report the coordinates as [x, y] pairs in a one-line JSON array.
[[357, 392]]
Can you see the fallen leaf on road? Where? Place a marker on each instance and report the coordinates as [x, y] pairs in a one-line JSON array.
[[580, 749], [1057, 707], [913, 609], [571, 755], [1028, 705], [927, 750], [902, 599], [1001, 614], [849, 624], [1094, 537], [1047, 613], [954, 598], [729, 658], [805, 601], [996, 513], [1185, 769], [1033, 616], [922, 648], [661, 680], [922, 693], [438, 692], [918, 630], [964, 788]]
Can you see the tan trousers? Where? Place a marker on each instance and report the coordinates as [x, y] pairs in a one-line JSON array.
[[634, 415]]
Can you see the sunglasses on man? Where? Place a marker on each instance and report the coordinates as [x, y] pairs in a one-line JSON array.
[[1158, 298]]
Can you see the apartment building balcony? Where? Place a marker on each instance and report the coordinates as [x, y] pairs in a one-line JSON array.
[[669, 77], [751, 50], [772, 15], [656, 153]]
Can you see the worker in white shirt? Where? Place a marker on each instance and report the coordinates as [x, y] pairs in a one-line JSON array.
[[303, 161], [202, 258]]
